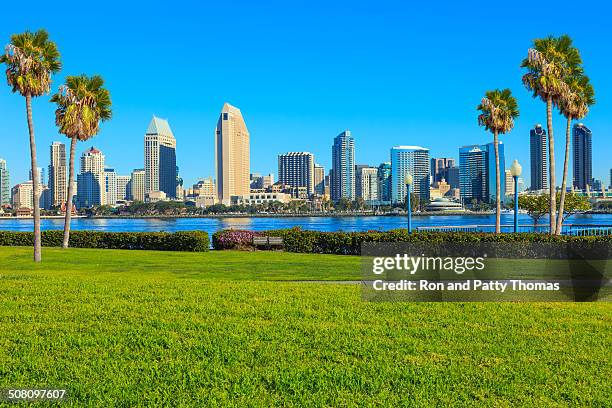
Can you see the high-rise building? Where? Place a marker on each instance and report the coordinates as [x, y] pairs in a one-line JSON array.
[[91, 182], [137, 185], [122, 188], [452, 177], [477, 172], [41, 175], [110, 185], [366, 183], [473, 173], [58, 176], [297, 170], [538, 154], [160, 158], [439, 168], [5, 186], [509, 183], [232, 155], [343, 167], [384, 182], [583, 156], [23, 197], [319, 180], [413, 160]]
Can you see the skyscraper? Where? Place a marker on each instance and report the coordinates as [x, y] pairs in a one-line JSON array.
[[583, 156], [91, 183], [477, 172], [110, 184], [232, 155], [366, 183], [439, 168], [137, 185], [41, 175], [343, 167], [384, 182], [160, 158], [122, 187], [297, 170], [413, 160], [473, 173], [319, 179], [58, 180], [452, 176], [5, 184], [538, 151]]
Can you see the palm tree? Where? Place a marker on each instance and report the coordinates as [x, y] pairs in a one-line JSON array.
[[30, 60], [575, 105], [81, 104], [549, 63], [498, 109]]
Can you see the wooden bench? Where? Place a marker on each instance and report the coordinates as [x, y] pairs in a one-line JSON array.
[[268, 242]]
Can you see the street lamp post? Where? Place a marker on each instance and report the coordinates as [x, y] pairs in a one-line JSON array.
[[408, 181], [515, 170]]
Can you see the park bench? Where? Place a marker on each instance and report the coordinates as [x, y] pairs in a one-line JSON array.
[[268, 242]]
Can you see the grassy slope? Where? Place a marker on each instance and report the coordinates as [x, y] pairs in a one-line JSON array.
[[118, 327]]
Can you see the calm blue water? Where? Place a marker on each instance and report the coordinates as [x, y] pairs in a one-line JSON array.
[[265, 223]]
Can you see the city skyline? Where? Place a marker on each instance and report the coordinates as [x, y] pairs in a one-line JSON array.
[[284, 90]]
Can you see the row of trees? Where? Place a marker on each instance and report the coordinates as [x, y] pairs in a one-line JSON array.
[[556, 76], [81, 104], [537, 206]]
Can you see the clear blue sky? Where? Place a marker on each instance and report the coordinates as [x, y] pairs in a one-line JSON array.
[[302, 72]]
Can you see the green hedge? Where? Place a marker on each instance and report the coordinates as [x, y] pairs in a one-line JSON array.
[[349, 243], [192, 241]]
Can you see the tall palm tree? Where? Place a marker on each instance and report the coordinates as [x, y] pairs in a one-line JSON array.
[[498, 109], [575, 105], [82, 103], [30, 60], [548, 64]]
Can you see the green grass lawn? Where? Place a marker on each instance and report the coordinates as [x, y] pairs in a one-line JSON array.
[[121, 328]]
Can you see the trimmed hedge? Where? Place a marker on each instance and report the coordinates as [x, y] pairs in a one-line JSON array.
[[349, 243], [190, 241]]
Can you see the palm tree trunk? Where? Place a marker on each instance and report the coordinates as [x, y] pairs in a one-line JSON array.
[[551, 166], [497, 185], [564, 182], [68, 206], [35, 186]]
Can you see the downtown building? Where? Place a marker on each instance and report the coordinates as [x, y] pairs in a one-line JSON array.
[[343, 167], [5, 184], [123, 186], [22, 195], [583, 156], [412, 160], [439, 168], [384, 182], [58, 175], [477, 172], [232, 155], [366, 183], [538, 144], [319, 180], [91, 181], [297, 169], [136, 188], [160, 159]]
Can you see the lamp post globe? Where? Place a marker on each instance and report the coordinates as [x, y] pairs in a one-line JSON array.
[[515, 171]]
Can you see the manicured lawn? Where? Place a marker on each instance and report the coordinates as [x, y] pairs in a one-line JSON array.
[[181, 329]]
